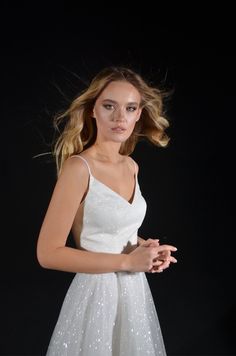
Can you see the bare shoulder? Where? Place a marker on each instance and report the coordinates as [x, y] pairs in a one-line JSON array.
[[74, 167], [71, 184], [75, 163]]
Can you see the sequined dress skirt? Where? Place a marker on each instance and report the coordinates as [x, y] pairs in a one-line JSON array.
[[109, 314]]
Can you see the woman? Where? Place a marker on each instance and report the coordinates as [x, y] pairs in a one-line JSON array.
[[108, 309]]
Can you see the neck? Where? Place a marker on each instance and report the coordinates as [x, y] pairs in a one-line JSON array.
[[107, 151]]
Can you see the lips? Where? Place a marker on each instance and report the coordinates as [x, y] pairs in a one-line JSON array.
[[118, 129]]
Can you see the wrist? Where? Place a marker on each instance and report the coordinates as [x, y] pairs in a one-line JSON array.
[[140, 240], [125, 263]]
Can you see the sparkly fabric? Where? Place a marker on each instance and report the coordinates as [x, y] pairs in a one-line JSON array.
[[108, 314]]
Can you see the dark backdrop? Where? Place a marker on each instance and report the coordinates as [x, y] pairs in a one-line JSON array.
[[48, 54]]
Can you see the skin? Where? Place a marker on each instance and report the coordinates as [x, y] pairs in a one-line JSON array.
[[117, 106]]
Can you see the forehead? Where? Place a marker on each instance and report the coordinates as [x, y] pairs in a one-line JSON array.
[[120, 91]]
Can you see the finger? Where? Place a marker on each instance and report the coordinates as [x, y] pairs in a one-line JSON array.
[[170, 259], [155, 241], [163, 248], [165, 255], [157, 263], [159, 269], [164, 265], [151, 242], [156, 270], [151, 250], [146, 244]]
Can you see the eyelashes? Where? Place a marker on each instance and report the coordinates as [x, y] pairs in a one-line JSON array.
[[131, 108], [112, 107], [108, 106]]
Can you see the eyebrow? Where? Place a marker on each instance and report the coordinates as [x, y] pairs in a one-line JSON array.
[[115, 102]]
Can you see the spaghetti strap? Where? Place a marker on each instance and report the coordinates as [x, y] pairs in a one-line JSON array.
[[135, 171], [84, 161]]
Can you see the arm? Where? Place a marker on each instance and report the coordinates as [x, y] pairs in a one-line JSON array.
[[52, 251]]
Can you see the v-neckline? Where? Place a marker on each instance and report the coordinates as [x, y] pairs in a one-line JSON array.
[[117, 194]]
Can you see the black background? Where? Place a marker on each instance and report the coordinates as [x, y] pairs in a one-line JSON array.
[[50, 53]]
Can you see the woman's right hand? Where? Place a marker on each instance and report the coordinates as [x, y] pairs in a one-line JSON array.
[[141, 259]]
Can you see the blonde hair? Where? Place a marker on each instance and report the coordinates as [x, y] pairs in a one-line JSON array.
[[80, 130]]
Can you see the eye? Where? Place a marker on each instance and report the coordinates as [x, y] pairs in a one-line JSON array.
[[131, 108], [108, 106]]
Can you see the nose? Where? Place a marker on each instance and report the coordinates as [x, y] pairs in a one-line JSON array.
[[119, 114]]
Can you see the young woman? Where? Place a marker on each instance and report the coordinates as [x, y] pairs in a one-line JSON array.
[[108, 309]]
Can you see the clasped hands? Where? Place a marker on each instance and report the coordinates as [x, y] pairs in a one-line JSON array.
[[163, 254]]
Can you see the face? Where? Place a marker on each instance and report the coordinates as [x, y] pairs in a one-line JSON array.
[[116, 111]]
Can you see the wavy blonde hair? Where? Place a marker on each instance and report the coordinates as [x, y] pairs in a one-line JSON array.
[[80, 130]]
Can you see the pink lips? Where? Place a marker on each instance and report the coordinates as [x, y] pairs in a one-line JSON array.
[[118, 129]]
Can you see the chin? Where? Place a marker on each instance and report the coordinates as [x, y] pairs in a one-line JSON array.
[[120, 139]]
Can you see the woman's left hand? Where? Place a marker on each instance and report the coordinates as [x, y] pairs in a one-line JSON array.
[[163, 261]]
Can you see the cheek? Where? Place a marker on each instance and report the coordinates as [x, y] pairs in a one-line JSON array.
[[102, 114], [101, 117], [132, 121], [131, 127], [134, 116], [103, 122]]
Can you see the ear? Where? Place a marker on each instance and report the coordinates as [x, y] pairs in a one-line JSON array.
[[139, 114], [93, 113]]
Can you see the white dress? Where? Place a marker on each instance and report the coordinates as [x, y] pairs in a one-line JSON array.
[[108, 314]]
